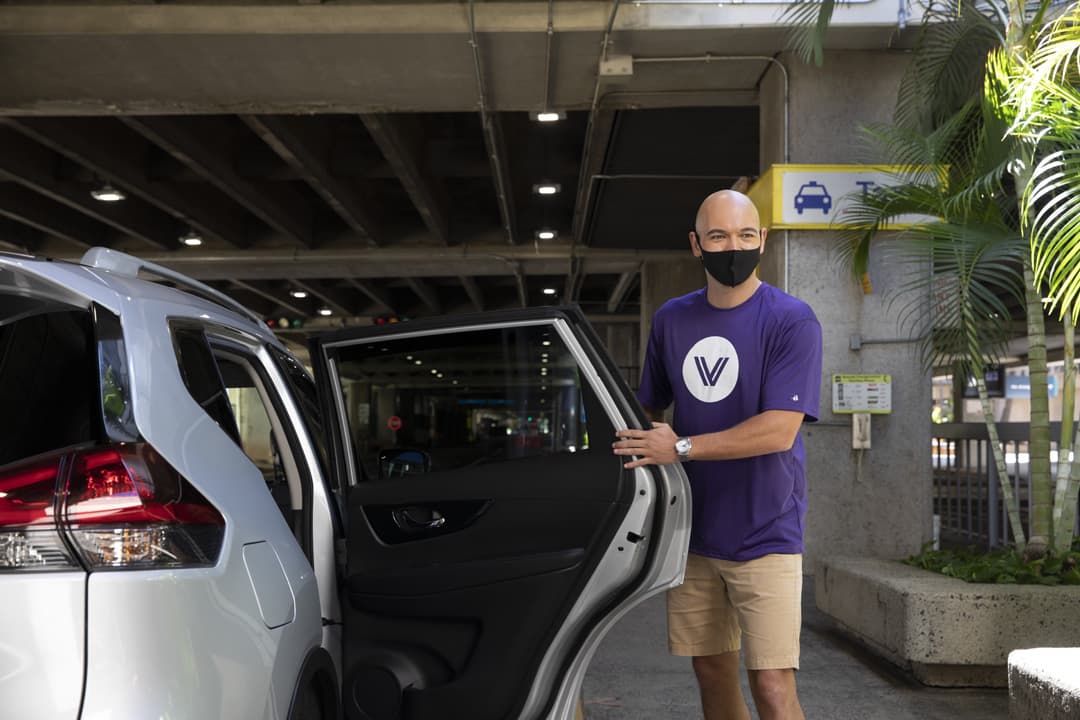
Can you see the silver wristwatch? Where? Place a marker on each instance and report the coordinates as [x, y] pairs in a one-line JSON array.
[[682, 448]]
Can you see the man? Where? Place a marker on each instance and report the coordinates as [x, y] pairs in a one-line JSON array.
[[741, 360]]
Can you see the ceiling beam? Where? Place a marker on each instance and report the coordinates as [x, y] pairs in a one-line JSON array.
[[400, 139], [208, 153], [472, 289], [601, 124], [374, 294], [426, 293], [21, 238], [325, 295], [522, 287], [307, 153], [29, 164], [273, 297], [27, 207], [497, 152], [622, 288], [103, 147]]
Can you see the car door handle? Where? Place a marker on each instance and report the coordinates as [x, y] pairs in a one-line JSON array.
[[418, 519]]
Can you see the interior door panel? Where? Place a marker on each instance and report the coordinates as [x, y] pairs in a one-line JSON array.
[[458, 579]]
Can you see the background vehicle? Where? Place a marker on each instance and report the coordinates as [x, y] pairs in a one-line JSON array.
[[194, 528]]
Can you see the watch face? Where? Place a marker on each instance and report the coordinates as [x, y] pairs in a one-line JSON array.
[[682, 446]]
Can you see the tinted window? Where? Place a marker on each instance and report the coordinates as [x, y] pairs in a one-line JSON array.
[[202, 379], [464, 398], [48, 383]]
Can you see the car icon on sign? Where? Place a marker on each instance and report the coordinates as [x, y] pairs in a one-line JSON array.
[[813, 195]]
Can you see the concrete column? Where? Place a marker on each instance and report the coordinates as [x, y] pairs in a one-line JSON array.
[[662, 281], [870, 502]]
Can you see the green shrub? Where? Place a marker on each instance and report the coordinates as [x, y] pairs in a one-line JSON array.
[[1002, 566]]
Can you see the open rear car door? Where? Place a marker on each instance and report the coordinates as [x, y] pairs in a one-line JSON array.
[[492, 537]]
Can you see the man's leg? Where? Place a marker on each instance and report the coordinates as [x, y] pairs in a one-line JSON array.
[[774, 694], [703, 625], [767, 595], [718, 679]]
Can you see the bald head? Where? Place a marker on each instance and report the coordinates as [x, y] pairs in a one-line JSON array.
[[726, 206]]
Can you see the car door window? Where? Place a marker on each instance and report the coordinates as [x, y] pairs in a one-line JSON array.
[[484, 396]]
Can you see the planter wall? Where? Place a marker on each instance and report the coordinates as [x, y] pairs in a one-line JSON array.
[[947, 632]]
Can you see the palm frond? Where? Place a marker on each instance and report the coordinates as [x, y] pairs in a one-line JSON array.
[[946, 67], [1044, 96], [1052, 202], [808, 21]]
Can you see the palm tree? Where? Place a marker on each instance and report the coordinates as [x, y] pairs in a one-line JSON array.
[[958, 108], [967, 262], [1039, 94]]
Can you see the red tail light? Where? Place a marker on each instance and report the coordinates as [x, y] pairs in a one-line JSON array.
[[29, 537], [120, 507]]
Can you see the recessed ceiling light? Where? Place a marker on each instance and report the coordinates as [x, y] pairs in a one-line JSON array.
[[550, 291], [191, 238], [547, 188], [418, 362], [548, 116], [107, 193], [325, 311], [546, 343], [298, 294], [546, 234]]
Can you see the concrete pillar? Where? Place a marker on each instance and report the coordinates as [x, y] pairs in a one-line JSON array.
[[871, 502], [621, 340], [662, 281]]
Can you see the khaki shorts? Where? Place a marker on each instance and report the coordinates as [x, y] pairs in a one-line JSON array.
[[722, 601]]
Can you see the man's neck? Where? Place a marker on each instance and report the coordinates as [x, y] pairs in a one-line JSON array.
[[724, 297]]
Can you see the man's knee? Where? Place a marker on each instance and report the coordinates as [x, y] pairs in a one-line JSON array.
[[712, 670], [775, 688]]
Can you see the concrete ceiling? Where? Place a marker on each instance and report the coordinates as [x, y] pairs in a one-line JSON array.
[[381, 155]]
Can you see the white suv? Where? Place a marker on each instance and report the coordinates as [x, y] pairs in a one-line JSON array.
[[190, 527]]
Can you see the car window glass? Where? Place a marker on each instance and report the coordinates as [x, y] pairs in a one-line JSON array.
[[47, 382], [462, 399], [262, 435], [202, 379], [252, 420]]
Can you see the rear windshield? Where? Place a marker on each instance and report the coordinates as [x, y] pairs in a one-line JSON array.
[[48, 378]]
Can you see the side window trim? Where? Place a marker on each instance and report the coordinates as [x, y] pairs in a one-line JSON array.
[[589, 373], [339, 408]]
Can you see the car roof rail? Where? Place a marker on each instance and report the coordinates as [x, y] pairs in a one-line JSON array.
[[114, 261]]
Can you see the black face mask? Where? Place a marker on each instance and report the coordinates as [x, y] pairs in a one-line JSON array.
[[730, 267]]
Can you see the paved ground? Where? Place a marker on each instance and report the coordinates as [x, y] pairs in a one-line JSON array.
[[633, 678]]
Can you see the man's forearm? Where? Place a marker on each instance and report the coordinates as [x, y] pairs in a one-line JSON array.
[[769, 432]]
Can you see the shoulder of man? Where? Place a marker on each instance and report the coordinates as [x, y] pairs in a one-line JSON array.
[[677, 305], [787, 308]]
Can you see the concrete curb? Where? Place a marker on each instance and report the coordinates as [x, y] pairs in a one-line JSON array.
[[948, 633], [1044, 684]]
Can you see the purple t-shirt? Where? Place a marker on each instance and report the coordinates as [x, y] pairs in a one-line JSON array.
[[721, 367]]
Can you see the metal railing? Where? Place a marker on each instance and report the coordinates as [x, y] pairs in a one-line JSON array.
[[967, 493]]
